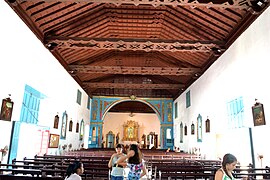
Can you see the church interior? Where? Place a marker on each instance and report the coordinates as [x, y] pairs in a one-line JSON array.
[[184, 80]]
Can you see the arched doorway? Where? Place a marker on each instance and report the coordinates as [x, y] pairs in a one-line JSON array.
[[100, 106], [132, 120]]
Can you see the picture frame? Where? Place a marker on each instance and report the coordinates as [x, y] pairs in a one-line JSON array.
[[54, 141], [56, 122], [6, 109], [258, 114], [185, 130], [192, 129], [207, 125]]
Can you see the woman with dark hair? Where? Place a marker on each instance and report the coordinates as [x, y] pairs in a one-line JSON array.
[[228, 165], [134, 163], [117, 172], [74, 171]]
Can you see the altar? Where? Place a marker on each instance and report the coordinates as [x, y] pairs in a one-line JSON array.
[[131, 132]]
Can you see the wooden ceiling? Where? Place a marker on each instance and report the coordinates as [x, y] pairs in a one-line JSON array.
[[146, 48]]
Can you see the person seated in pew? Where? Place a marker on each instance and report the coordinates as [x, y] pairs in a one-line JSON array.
[[228, 165], [74, 171], [134, 162], [117, 172]]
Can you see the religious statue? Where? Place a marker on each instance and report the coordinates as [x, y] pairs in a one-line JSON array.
[[117, 138], [130, 132]]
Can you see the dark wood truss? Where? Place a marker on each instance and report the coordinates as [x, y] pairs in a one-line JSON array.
[[145, 48]]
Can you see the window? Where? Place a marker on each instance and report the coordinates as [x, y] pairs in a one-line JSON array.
[[199, 128], [181, 132], [168, 134], [79, 97], [88, 103], [64, 125], [188, 99], [175, 110], [235, 113], [82, 131]]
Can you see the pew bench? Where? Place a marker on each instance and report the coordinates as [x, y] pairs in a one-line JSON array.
[[15, 171]]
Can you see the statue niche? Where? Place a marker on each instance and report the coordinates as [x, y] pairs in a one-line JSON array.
[[131, 131]]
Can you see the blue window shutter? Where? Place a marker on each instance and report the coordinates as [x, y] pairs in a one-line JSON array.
[[235, 113], [15, 140], [30, 105], [188, 99], [88, 103], [175, 110], [79, 97]]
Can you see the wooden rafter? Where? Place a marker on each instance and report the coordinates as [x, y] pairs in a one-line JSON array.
[[134, 70], [132, 86], [119, 44], [235, 4]]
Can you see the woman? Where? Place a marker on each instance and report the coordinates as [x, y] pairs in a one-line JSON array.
[[74, 171], [134, 163], [117, 170], [228, 165]]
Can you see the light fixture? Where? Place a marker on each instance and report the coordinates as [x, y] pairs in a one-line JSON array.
[[131, 114], [258, 5], [11, 1], [51, 46]]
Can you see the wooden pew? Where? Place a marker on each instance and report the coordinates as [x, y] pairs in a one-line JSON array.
[[15, 171], [11, 177]]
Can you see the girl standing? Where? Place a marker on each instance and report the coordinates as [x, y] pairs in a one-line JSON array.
[[134, 163], [117, 170]]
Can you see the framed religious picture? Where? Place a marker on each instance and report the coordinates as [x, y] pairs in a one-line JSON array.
[[185, 130], [207, 125], [54, 141], [56, 122], [192, 129], [6, 109], [258, 114], [70, 125], [77, 127], [131, 129]]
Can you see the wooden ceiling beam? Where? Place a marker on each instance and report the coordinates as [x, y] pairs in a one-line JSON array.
[[126, 44], [175, 71], [132, 86], [232, 4]]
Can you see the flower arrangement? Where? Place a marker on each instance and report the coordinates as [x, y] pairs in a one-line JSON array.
[[69, 146], [4, 151], [64, 147]]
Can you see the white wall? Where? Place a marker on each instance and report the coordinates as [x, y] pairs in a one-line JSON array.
[[243, 70], [24, 60]]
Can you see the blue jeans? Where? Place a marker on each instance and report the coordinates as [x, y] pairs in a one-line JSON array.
[[117, 177]]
